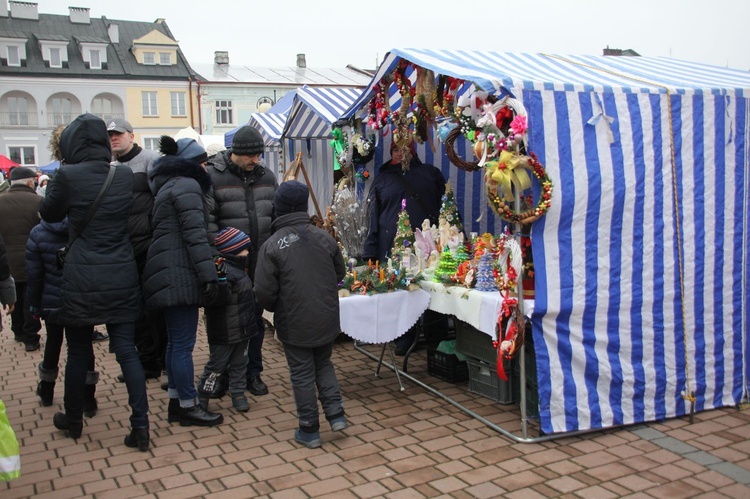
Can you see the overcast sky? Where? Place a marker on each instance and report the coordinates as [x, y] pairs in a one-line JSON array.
[[334, 33]]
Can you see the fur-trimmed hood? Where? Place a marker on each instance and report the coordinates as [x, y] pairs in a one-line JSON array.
[[168, 167]]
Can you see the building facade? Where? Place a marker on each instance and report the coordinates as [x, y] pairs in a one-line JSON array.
[[55, 67]]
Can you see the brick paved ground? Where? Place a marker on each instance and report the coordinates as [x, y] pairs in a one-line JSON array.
[[400, 445]]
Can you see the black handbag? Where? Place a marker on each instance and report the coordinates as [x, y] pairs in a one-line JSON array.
[[62, 253]]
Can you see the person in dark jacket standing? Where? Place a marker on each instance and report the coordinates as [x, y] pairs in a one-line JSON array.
[[44, 281], [7, 284], [150, 330], [100, 278], [297, 278], [422, 186], [228, 328], [19, 213], [242, 197], [180, 275]]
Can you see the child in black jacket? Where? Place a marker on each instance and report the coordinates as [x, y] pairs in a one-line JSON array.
[[230, 327]]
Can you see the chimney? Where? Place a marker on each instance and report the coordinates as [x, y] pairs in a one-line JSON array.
[[3, 8], [221, 57], [301, 62], [113, 30], [24, 10], [79, 15]]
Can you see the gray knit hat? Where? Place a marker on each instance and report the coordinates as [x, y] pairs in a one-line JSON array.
[[247, 142]]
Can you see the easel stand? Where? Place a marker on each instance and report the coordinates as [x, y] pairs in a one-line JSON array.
[[294, 168]]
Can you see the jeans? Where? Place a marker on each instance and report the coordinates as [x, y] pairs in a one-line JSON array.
[[122, 341], [53, 346], [255, 348], [182, 327], [311, 368], [80, 352], [25, 327]]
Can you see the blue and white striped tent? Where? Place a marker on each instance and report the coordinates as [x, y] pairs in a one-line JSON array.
[[308, 129], [642, 261]]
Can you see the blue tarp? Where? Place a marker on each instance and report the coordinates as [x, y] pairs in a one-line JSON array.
[[50, 168]]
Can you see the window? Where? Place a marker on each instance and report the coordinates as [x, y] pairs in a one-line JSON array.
[[95, 62], [54, 58], [178, 103], [224, 112], [24, 156], [102, 107], [151, 143], [165, 58], [18, 111], [149, 58], [62, 113], [13, 58], [149, 104]]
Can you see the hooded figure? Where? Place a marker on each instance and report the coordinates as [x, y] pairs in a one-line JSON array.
[[100, 278]]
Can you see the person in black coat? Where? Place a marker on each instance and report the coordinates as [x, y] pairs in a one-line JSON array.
[[180, 275], [422, 186], [100, 278], [7, 285], [297, 277], [43, 284]]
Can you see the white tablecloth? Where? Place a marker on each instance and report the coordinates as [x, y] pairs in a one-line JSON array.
[[478, 308], [381, 317]]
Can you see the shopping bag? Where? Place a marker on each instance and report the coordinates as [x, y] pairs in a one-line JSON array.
[[10, 458]]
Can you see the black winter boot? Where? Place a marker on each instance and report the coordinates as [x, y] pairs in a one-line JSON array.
[[138, 438], [198, 416], [173, 411], [72, 428], [46, 386], [89, 394]]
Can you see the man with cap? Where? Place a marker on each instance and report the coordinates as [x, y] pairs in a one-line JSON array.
[[19, 213], [297, 277], [150, 331], [242, 197]]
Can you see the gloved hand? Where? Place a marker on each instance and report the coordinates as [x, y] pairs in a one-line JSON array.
[[210, 293]]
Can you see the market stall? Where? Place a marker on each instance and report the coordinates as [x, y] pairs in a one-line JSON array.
[[640, 258]]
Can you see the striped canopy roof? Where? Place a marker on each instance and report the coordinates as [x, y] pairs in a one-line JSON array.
[[518, 71], [316, 109]]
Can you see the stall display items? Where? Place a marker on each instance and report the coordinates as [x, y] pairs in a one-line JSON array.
[[375, 278]]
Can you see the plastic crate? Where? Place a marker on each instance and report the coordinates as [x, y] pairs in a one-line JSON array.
[[483, 381], [446, 366], [474, 343]]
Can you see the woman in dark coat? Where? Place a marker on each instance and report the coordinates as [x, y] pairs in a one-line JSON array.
[[180, 274], [100, 279]]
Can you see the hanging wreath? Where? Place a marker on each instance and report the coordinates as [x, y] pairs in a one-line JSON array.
[[499, 200], [450, 151]]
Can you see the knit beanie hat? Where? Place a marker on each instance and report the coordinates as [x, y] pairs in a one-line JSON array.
[[247, 142], [231, 241], [187, 149], [290, 197]]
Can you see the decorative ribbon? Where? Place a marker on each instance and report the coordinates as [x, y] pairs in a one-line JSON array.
[[506, 172], [598, 116]]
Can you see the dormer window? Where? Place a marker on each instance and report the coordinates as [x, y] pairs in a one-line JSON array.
[[149, 58], [13, 57], [55, 60], [95, 59], [165, 58]]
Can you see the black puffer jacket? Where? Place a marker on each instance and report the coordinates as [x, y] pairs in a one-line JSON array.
[[297, 278], [235, 322], [100, 279], [179, 260], [44, 279], [241, 199]]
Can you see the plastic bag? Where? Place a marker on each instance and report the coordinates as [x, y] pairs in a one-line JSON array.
[[449, 347], [10, 458]]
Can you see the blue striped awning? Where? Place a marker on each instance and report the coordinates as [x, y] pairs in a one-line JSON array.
[[270, 126], [316, 109], [516, 72]]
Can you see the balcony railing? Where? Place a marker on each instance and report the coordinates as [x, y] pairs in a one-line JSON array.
[[110, 116], [18, 119], [56, 119]]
